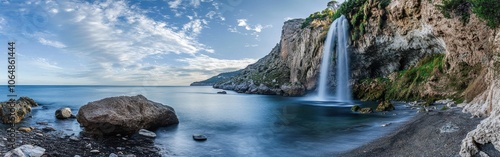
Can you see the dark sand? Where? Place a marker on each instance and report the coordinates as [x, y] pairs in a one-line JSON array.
[[422, 136]]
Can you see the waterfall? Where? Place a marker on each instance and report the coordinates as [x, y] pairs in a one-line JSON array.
[[337, 38]]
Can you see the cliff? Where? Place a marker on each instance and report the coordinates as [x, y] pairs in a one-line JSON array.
[[211, 81], [292, 66], [400, 49]]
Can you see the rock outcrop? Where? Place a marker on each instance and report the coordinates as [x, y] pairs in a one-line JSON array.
[[22, 108], [124, 115]]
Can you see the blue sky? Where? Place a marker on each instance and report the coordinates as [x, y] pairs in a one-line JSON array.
[[149, 42]]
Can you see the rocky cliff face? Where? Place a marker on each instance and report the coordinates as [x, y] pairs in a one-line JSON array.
[[393, 39], [292, 66]]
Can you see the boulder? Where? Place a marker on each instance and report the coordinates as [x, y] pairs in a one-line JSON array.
[[22, 108], [63, 113], [365, 110], [124, 115], [25, 129], [385, 106], [26, 151], [355, 108]]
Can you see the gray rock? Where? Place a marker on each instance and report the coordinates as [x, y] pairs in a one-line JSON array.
[[47, 129], [22, 107], [95, 151], [26, 151], [199, 137], [74, 138], [448, 128], [113, 155], [222, 92], [147, 133], [63, 113], [124, 115]]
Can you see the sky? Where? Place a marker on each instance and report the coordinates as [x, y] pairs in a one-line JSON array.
[[148, 42]]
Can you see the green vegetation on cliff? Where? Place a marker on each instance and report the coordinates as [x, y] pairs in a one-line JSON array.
[[428, 80], [487, 10]]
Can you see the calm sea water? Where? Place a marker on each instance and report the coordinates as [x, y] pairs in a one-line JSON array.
[[235, 124]]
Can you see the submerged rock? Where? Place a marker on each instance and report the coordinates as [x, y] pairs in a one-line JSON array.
[[199, 137], [26, 151], [63, 113], [222, 92], [385, 106], [124, 115]]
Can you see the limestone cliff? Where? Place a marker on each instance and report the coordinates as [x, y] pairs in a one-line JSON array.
[[393, 56], [292, 66]]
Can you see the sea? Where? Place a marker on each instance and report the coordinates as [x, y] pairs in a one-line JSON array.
[[235, 124]]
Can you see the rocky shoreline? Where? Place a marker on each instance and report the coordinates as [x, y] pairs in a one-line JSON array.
[[58, 144], [434, 133]]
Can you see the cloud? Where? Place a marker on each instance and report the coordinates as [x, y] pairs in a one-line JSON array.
[[45, 64], [174, 4], [256, 28], [211, 65], [55, 44], [251, 45]]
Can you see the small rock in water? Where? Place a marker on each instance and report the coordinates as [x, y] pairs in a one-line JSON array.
[[147, 133], [386, 124], [199, 137], [113, 155], [42, 123], [222, 92], [47, 129], [94, 151], [63, 113], [366, 110], [39, 134], [77, 156], [25, 129], [355, 108]]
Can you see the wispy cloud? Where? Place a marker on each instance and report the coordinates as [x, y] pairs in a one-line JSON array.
[[256, 28], [213, 65], [46, 64], [55, 44], [174, 4]]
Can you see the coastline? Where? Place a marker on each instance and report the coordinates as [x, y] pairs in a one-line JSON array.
[[435, 133], [57, 143]]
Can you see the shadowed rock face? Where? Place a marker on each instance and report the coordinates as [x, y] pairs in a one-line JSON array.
[[124, 115]]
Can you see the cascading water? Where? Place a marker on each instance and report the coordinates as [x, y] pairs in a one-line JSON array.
[[337, 38]]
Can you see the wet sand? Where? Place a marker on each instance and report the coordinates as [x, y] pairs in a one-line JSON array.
[[434, 133]]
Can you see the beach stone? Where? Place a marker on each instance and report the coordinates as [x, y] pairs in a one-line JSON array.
[[147, 133], [74, 138], [26, 151], [113, 155], [63, 113], [124, 115], [25, 129], [42, 123], [95, 151], [22, 108], [48, 129], [385, 106], [448, 128], [199, 137], [222, 92]]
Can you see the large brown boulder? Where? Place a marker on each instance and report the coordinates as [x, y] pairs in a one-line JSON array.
[[124, 115], [22, 108]]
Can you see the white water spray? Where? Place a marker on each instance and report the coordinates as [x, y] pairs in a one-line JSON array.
[[337, 37]]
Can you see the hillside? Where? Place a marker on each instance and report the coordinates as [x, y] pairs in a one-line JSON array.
[[212, 80]]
